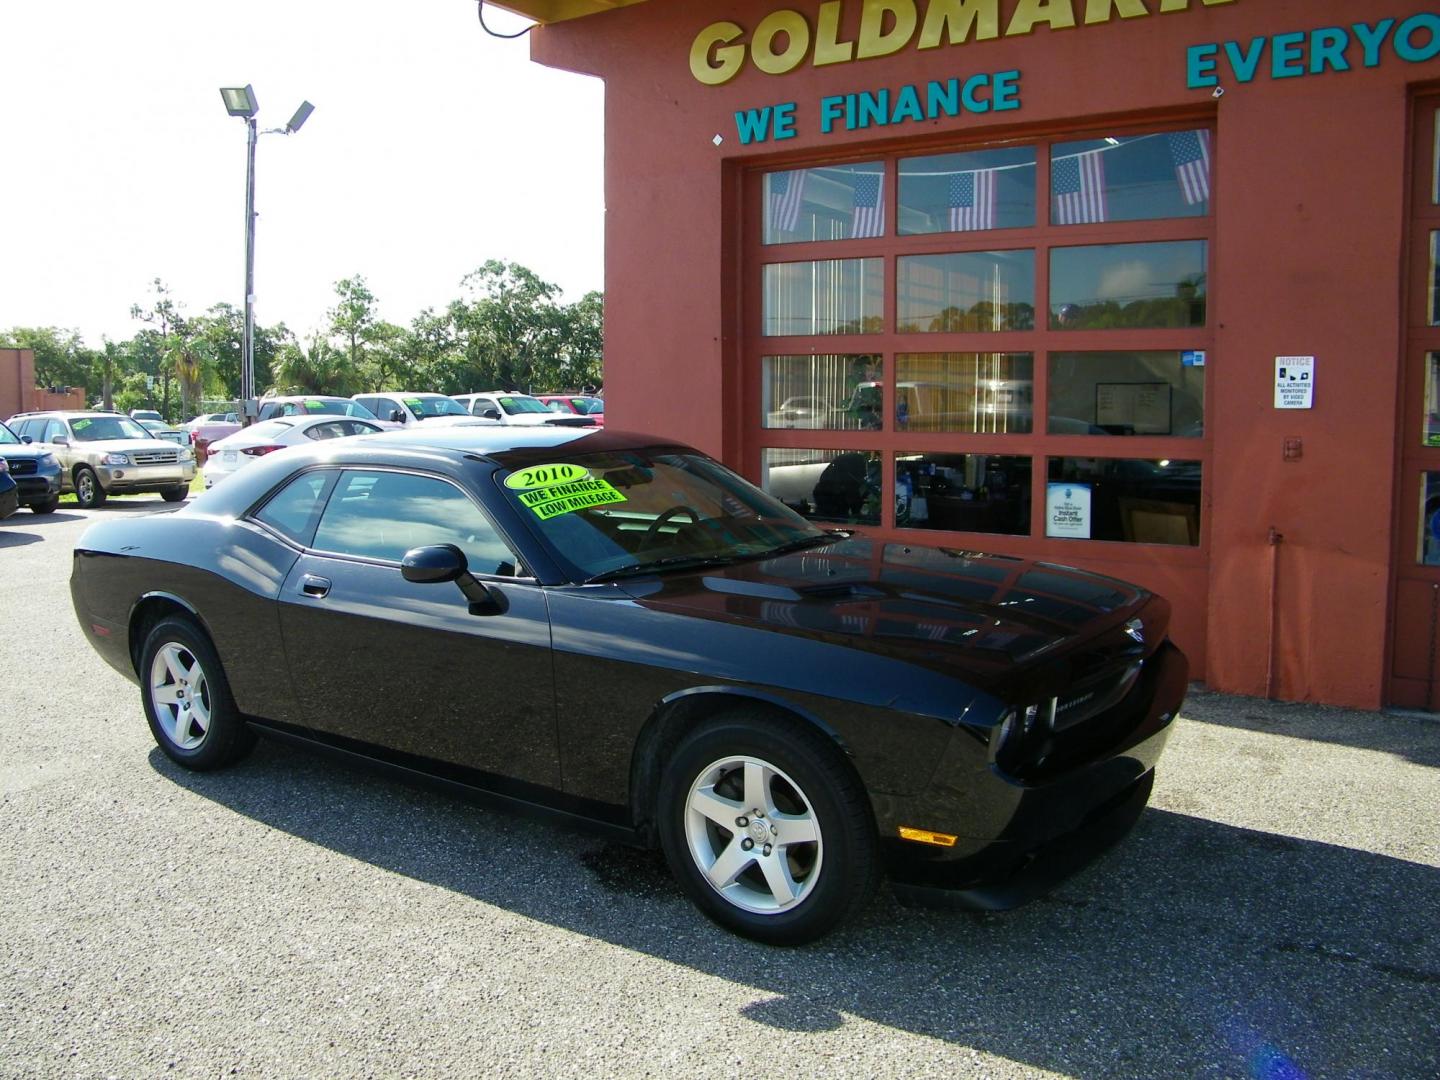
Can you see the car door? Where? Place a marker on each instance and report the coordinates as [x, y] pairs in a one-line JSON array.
[[406, 667]]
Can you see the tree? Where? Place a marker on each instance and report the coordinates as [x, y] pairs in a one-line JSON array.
[[320, 369], [353, 318], [61, 358], [508, 328]]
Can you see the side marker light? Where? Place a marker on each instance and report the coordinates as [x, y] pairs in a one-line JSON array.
[[925, 836]]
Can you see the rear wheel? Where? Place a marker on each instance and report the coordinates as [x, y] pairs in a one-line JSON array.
[[88, 491], [45, 507], [187, 698], [767, 829], [176, 493]]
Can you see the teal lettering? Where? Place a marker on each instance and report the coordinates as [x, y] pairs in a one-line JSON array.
[[967, 95], [1405, 48], [850, 112], [1287, 56], [1371, 38], [1327, 49], [874, 108], [753, 125], [907, 106], [831, 109], [1200, 66], [1245, 66], [785, 121], [943, 97], [1007, 90]]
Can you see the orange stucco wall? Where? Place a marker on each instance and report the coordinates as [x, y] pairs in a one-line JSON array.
[[1309, 223]]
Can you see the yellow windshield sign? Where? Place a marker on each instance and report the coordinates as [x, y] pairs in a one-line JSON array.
[[545, 476], [556, 499]]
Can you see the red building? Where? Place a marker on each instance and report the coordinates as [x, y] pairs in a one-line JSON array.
[[1144, 286]]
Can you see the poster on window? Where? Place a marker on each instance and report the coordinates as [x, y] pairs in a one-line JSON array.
[[1067, 511]]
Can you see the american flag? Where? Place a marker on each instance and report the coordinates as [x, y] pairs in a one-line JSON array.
[[1079, 181], [868, 217], [1190, 150], [972, 200], [787, 193]]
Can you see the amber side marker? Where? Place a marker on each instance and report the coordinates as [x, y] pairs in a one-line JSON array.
[[925, 836]]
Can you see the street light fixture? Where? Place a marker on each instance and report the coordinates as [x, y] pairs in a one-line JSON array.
[[240, 101]]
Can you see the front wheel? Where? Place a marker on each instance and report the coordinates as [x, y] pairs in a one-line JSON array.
[[176, 493], [46, 506], [767, 829], [187, 698], [88, 491]]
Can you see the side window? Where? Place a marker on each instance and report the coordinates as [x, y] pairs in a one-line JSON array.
[[294, 509], [332, 430], [385, 408], [382, 515], [53, 428], [34, 429]]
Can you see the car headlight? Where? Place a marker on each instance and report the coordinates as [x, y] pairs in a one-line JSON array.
[[48, 459], [186, 454], [115, 459], [4, 465]]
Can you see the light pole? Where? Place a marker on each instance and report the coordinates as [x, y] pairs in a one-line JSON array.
[[240, 101]]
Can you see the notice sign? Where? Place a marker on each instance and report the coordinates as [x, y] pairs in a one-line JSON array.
[[1294, 382], [1067, 510]]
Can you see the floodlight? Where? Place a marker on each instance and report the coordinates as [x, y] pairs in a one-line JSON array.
[[301, 115], [240, 100]]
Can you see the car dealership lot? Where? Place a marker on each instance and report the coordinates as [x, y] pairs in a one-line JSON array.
[[1275, 908]]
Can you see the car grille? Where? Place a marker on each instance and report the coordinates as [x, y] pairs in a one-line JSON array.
[[155, 457], [22, 466]]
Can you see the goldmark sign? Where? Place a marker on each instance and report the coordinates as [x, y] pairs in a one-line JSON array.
[[784, 39]]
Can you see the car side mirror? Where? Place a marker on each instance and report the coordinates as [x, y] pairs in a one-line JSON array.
[[397, 415], [61, 440], [491, 414], [26, 439], [438, 563]]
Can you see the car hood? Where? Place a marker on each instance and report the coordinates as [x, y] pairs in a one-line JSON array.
[[988, 618]]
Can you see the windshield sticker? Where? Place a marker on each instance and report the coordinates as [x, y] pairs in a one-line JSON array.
[[80, 425], [414, 403], [545, 476], [315, 406], [549, 502]]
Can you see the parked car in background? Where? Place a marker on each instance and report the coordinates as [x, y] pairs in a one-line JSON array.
[[251, 444], [207, 429], [145, 414], [162, 430], [9, 492], [103, 454], [518, 410], [576, 405], [314, 405], [35, 470], [407, 407], [785, 711]]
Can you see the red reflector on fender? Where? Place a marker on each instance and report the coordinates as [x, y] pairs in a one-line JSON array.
[[925, 836], [100, 631]]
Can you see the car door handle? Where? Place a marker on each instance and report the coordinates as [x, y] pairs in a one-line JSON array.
[[311, 585]]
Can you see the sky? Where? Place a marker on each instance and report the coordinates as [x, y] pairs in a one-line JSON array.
[[432, 148]]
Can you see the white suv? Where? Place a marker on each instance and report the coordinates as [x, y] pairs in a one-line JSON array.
[[407, 409], [105, 454], [518, 409]]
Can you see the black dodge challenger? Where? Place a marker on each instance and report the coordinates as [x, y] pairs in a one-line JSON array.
[[618, 630]]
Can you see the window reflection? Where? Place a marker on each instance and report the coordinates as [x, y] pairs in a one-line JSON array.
[[984, 189], [1428, 553], [1133, 178], [1126, 499], [987, 493], [1126, 393], [833, 296], [832, 202], [1431, 435], [1128, 285], [965, 292], [1434, 279], [842, 393], [966, 392], [827, 485]]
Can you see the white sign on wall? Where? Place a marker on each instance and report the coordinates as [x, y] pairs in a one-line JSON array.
[[1067, 511], [1294, 382]]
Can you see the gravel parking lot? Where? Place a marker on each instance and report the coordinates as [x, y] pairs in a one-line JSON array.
[[1275, 914]]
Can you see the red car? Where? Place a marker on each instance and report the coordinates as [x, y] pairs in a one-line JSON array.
[[578, 404]]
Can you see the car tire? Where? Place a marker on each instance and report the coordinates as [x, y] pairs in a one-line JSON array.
[[88, 491], [733, 858], [176, 494], [46, 506], [187, 699]]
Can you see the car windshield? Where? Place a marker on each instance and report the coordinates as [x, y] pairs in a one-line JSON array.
[[588, 406], [342, 407], [7, 436], [615, 513], [434, 405], [99, 428], [520, 403]]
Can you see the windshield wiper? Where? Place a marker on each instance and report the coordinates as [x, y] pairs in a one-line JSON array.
[[673, 562], [802, 543]]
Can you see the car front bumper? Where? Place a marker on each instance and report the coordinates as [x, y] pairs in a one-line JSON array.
[[118, 479], [1015, 841]]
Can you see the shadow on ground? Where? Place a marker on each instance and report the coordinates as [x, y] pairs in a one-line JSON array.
[[1194, 949]]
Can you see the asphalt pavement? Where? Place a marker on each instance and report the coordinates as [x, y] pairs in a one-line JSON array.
[[1275, 914]]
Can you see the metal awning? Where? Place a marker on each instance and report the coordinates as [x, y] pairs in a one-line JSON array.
[[551, 11]]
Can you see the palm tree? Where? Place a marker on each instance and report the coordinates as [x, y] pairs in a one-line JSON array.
[[320, 369]]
